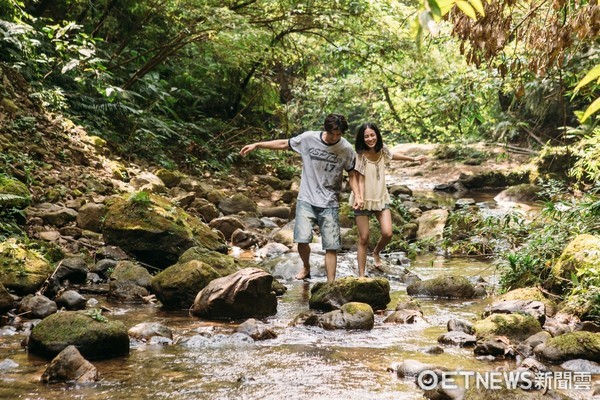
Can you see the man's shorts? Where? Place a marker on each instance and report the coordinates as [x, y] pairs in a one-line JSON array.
[[328, 220]]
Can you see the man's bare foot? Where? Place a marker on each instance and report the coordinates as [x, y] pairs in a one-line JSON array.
[[303, 275]]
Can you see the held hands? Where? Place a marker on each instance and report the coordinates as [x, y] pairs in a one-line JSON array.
[[358, 203]]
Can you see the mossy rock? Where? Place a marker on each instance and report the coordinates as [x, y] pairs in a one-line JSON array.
[[177, 286], [331, 296], [94, 336], [530, 293], [582, 253], [22, 270], [570, 346], [156, 231], [169, 178], [447, 286], [495, 179], [517, 327], [13, 193]]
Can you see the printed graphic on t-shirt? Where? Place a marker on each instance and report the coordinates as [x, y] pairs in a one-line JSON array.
[[330, 159]]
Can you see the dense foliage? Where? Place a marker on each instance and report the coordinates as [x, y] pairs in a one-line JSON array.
[[184, 83]]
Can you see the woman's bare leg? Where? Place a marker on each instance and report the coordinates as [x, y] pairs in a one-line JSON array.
[[385, 221], [362, 223]]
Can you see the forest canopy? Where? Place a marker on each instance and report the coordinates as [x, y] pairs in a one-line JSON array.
[[154, 77]]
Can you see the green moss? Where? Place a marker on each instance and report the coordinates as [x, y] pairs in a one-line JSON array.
[[13, 193], [514, 326], [575, 342], [354, 308]]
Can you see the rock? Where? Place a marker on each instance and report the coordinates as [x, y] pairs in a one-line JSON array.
[[431, 225], [517, 327], [459, 325], [93, 335], [70, 366], [37, 306], [52, 214], [226, 225], [147, 330], [90, 216], [450, 287], [256, 330], [73, 268], [352, 315], [556, 350], [236, 204], [156, 231], [129, 282], [23, 271], [71, 300], [244, 294], [178, 285], [457, 338], [6, 300], [332, 296], [405, 317], [536, 309]]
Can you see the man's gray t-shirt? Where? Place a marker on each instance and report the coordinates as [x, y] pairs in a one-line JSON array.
[[323, 167]]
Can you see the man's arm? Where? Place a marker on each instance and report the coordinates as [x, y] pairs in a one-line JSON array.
[[357, 182], [277, 144]]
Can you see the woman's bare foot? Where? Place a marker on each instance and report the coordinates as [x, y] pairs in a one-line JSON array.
[[304, 274], [377, 262]]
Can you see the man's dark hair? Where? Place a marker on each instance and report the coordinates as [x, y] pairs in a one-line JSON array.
[[360, 144], [335, 121]]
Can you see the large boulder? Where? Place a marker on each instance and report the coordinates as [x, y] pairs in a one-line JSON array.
[[245, 294], [156, 231], [177, 286], [516, 327], [570, 346], [332, 296], [22, 270], [582, 253], [94, 336], [431, 224]]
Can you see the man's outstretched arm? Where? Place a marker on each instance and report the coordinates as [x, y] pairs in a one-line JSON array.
[[277, 144]]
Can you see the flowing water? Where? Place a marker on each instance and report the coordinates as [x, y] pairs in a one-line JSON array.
[[209, 361]]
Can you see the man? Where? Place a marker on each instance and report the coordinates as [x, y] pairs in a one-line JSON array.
[[325, 155]]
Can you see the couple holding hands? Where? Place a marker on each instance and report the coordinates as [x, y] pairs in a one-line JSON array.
[[325, 155]]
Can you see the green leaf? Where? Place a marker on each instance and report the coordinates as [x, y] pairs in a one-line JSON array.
[[478, 6], [435, 8], [590, 76], [592, 109], [467, 9]]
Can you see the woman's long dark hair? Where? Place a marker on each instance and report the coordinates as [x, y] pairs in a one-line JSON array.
[[360, 145]]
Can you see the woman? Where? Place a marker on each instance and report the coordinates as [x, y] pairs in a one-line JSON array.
[[373, 196]]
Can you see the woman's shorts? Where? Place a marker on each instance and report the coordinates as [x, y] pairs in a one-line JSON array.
[[368, 213], [328, 220]]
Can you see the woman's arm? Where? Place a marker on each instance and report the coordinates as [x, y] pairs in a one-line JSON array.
[[401, 157]]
